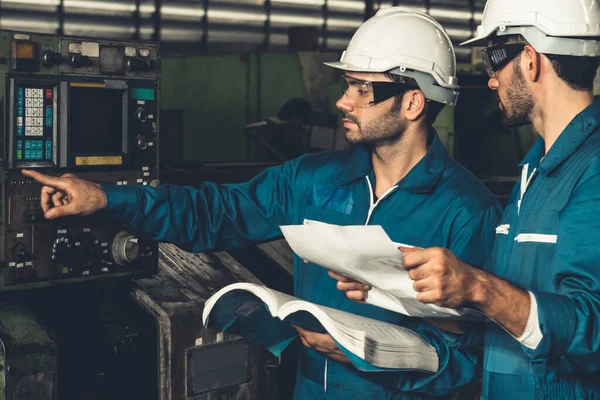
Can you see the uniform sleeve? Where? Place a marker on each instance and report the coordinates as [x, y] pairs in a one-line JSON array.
[[212, 217], [460, 355], [473, 240], [570, 317], [473, 243]]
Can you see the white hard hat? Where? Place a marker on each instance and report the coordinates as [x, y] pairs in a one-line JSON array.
[[563, 27], [409, 43]]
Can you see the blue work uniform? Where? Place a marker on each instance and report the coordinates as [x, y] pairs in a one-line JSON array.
[[438, 203], [547, 243]]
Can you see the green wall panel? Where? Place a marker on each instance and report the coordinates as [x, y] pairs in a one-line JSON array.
[[212, 93], [220, 95], [280, 80]]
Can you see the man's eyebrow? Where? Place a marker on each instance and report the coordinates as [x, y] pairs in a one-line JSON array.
[[355, 79]]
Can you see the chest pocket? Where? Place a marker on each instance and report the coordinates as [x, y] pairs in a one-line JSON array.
[[331, 204], [534, 247], [503, 240]]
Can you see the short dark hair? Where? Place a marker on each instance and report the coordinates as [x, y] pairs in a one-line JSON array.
[[576, 71], [432, 108]]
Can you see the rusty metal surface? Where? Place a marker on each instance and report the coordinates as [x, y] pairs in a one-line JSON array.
[[175, 298], [281, 253]]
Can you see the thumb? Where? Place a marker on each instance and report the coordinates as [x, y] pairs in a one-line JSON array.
[[61, 211], [405, 249]]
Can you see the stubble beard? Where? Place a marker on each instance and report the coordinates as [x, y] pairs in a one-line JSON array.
[[387, 128], [519, 102]]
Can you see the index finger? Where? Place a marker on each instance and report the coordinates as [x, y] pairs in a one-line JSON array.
[[339, 277], [46, 180], [301, 331]]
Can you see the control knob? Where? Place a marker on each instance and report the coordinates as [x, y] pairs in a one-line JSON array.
[[142, 142], [52, 58], [140, 65], [79, 61], [125, 248], [20, 253], [141, 114]]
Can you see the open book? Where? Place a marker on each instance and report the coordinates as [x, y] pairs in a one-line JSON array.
[[265, 316], [367, 254]]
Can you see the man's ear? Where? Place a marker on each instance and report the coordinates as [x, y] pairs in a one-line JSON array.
[[416, 104], [531, 61]]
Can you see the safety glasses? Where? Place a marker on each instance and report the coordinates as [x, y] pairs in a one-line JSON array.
[[496, 57], [363, 94]]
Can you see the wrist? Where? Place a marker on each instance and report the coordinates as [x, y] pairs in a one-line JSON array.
[[478, 288], [104, 200]]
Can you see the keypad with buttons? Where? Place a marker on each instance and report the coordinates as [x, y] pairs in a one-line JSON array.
[[35, 120]]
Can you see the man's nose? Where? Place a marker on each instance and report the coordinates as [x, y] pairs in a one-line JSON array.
[[344, 104]]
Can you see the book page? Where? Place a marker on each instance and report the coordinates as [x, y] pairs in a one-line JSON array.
[[272, 298], [248, 310], [369, 339], [352, 323]]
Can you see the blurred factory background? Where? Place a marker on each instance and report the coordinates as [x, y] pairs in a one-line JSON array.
[[227, 64]]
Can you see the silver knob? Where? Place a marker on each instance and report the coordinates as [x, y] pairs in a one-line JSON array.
[[125, 248]]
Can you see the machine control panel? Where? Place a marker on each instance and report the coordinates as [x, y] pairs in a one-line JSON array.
[[89, 108]]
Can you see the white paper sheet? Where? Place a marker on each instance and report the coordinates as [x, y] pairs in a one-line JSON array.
[[367, 254]]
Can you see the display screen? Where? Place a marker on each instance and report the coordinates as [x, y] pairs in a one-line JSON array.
[[95, 121]]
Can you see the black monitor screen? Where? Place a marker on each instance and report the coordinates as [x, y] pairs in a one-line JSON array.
[[96, 121]]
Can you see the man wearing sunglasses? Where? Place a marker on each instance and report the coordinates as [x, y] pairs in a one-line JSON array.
[[399, 72], [542, 283]]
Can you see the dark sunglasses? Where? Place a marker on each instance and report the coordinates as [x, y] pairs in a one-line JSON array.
[[496, 57]]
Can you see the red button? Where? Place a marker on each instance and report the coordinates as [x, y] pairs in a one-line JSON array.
[[48, 93]]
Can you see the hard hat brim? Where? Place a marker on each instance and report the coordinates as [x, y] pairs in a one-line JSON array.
[[481, 39], [351, 67], [475, 42]]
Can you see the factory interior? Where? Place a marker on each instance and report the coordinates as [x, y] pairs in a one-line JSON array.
[[205, 91]]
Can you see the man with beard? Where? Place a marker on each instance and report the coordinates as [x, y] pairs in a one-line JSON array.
[[399, 71], [542, 284]]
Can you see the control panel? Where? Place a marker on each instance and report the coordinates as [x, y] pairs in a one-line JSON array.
[[84, 107]]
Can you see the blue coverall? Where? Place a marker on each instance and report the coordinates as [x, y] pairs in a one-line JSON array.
[[547, 243], [438, 203]]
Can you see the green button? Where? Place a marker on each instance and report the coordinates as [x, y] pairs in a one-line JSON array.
[[19, 154], [142, 94]]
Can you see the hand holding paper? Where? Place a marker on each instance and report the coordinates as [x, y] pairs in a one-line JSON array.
[[365, 255]]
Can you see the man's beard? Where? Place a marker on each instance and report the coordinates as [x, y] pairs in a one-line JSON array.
[[387, 128], [519, 101]]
